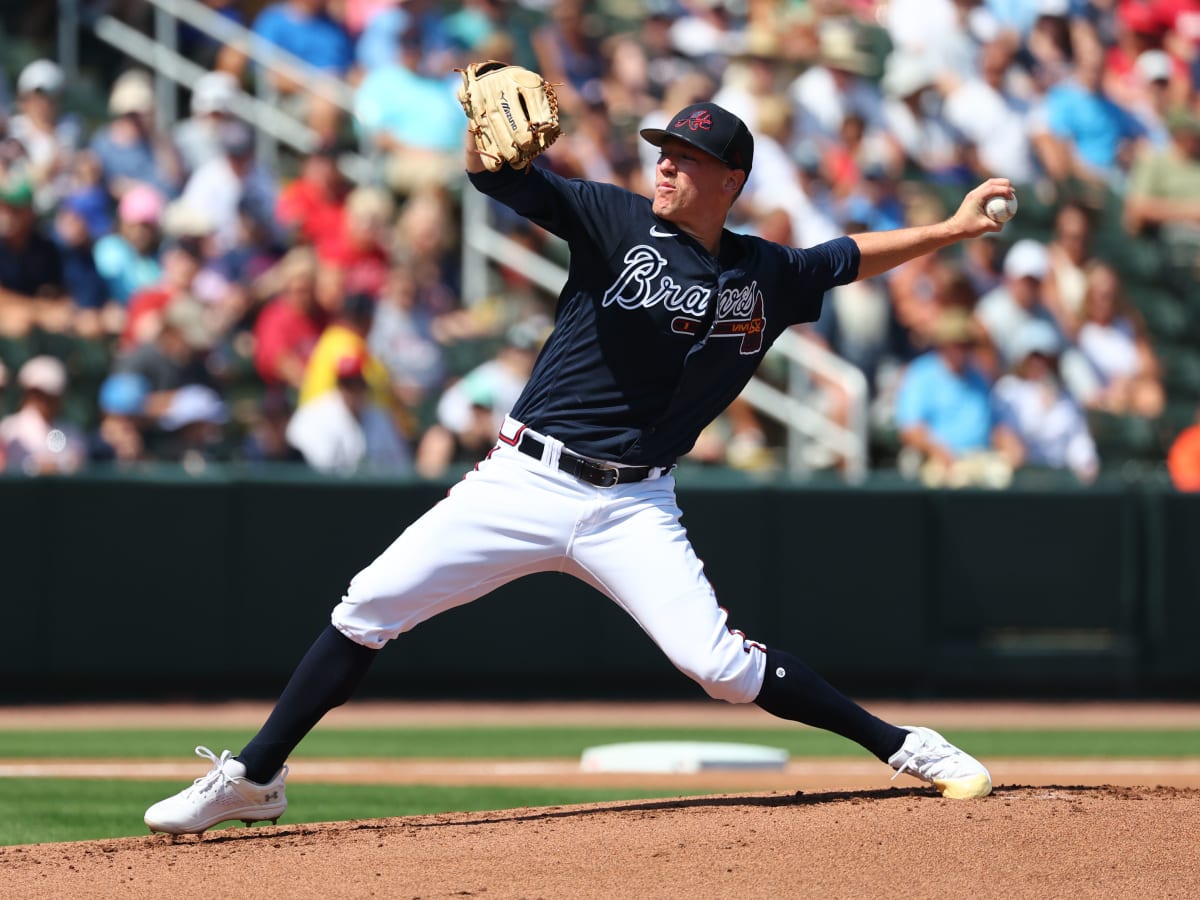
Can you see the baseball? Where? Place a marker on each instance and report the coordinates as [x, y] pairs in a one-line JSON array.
[[1001, 208]]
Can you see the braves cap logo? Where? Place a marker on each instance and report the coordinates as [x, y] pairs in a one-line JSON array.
[[701, 120]]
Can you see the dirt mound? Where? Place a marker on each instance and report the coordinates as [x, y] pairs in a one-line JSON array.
[[1023, 841]]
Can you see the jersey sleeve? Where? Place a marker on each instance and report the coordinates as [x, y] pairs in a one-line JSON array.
[[826, 265], [810, 272], [570, 208]]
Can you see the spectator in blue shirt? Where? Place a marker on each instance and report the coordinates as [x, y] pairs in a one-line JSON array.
[[944, 407], [1085, 134], [412, 115], [376, 46], [127, 259], [305, 29], [130, 147], [81, 279]]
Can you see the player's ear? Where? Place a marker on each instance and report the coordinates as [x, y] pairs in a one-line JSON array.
[[734, 180]]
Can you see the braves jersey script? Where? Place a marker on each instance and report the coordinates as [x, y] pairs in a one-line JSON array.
[[654, 336]]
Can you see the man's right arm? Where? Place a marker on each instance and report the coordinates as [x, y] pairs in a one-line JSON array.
[[884, 250]]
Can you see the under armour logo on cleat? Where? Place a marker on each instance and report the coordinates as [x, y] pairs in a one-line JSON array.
[[274, 795], [654, 232]]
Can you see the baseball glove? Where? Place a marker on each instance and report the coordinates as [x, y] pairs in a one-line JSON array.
[[513, 113]]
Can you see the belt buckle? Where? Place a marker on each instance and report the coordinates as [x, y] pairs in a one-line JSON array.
[[609, 476]]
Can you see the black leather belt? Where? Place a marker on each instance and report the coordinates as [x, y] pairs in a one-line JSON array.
[[591, 471]]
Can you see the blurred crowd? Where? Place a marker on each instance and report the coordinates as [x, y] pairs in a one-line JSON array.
[[291, 314]]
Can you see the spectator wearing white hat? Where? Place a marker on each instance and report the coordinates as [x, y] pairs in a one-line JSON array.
[[130, 148], [1154, 88], [1021, 298], [231, 183], [49, 137], [915, 127], [1003, 310], [198, 137], [1033, 404], [1136, 61], [34, 439], [193, 427]]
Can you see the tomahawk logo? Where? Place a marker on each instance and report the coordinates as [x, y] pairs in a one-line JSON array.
[[739, 315], [701, 120]]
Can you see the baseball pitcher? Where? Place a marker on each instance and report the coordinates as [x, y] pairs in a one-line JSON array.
[[664, 317]]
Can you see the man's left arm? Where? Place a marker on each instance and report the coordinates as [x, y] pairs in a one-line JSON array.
[[884, 250]]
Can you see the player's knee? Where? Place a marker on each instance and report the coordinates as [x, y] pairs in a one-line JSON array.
[[730, 692], [733, 683]]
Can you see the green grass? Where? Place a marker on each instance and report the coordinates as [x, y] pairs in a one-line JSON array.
[[42, 810], [514, 743]]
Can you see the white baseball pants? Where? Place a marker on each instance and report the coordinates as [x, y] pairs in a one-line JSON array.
[[515, 515]]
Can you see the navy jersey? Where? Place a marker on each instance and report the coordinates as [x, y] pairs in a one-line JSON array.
[[654, 336]]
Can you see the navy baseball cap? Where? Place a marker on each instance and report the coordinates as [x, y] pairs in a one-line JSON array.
[[710, 128]]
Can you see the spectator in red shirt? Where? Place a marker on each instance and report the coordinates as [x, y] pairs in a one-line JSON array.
[[289, 325], [359, 248], [181, 261], [313, 206], [1139, 29]]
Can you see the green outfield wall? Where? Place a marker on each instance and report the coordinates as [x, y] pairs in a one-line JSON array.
[[172, 586]]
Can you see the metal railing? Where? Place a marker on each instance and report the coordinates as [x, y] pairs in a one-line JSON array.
[[481, 243], [805, 424], [181, 70], [258, 50], [160, 54]]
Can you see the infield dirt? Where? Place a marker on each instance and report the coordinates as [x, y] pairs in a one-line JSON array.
[[1061, 833]]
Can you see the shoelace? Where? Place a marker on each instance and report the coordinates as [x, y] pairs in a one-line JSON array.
[[216, 776], [935, 753]]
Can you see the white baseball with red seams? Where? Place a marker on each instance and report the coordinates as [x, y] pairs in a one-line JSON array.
[[515, 515], [1001, 208]]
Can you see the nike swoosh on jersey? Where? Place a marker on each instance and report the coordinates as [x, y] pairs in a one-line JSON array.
[[654, 232]]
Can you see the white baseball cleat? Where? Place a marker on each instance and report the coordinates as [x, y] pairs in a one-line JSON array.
[[224, 794], [927, 755]]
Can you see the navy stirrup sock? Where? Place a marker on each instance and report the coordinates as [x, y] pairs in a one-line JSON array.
[[326, 677], [791, 690]]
